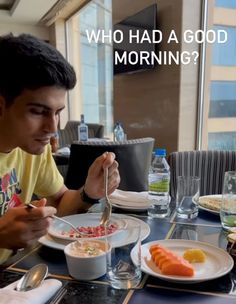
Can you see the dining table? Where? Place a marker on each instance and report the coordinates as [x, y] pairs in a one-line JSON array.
[[152, 289]]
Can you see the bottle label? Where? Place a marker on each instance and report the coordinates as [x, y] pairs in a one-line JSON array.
[[158, 183], [83, 133]]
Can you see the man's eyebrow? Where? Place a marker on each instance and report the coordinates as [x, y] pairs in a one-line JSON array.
[[39, 105]]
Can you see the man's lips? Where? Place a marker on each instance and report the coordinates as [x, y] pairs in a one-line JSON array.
[[43, 140]]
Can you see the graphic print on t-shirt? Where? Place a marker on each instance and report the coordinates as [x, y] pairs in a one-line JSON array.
[[9, 191]]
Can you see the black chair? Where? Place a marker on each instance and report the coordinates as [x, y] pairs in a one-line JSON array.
[[70, 133], [133, 156], [210, 166]]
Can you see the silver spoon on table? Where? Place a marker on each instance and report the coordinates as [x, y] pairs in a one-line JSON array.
[[32, 278]]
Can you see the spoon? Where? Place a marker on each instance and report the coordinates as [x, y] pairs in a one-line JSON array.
[[33, 278], [82, 234], [108, 207]]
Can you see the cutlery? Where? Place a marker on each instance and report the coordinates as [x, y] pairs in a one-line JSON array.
[[108, 207], [57, 298], [82, 234], [32, 278]]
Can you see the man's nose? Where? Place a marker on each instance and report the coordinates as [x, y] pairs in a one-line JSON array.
[[51, 124]]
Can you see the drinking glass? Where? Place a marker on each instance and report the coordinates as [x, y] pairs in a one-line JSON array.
[[228, 205], [122, 273], [187, 196]]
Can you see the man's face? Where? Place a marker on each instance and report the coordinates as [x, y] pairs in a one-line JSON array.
[[33, 118]]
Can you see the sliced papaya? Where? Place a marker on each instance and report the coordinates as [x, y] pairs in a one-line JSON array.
[[169, 262], [174, 267]]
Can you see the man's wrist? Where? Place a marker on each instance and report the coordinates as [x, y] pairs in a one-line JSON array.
[[85, 198]]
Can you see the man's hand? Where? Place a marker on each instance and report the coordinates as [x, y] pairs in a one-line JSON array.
[[21, 227], [94, 185]]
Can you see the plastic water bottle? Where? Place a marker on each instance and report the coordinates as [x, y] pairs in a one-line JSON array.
[[119, 134], [82, 130], [158, 185]]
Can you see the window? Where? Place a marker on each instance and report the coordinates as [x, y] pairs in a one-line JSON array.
[[222, 141], [223, 99], [226, 3], [224, 54], [219, 111], [93, 63]]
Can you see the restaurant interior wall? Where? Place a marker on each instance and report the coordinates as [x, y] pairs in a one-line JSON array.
[[16, 29], [22, 16], [153, 100], [156, 100], [161, 103]]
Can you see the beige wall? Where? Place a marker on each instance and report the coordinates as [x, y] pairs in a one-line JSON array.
[[148, 103], [38, 31]]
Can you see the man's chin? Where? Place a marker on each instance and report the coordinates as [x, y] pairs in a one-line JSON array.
[[34, 150]]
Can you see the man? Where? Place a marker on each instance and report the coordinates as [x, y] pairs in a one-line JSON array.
[[34, 80]]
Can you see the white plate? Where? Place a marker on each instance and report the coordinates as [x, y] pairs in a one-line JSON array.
[[131, 208], [208, 209], [50, 242], [134, 207], [57, 228], [117, 240], [218, 262], [130, 200]]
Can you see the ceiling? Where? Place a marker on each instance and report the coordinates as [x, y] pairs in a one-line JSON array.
[[6, 4], [24, 11]]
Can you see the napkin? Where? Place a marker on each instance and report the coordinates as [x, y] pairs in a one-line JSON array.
[[39, 295], [64, 151], [130, 198]]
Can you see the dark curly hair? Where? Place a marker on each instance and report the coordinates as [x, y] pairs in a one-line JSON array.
[[27, 62]]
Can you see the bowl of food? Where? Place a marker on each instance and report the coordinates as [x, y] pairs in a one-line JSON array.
[[86, 259], [88, 224]]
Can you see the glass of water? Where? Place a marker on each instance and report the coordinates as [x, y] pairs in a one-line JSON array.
[[228, 205], [187, 196], [122, 272]]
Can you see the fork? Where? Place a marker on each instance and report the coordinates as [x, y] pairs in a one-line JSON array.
[[108, 207], [82, 234]]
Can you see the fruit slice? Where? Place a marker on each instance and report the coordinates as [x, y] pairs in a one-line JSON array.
[[194, 255], [170, 263], [175, 267]]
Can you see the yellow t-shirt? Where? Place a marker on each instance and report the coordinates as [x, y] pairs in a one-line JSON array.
[[21, 175]]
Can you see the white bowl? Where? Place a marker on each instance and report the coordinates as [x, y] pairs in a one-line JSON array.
[[88, 267]]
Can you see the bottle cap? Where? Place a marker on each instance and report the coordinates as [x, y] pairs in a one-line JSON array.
[[160, 152], [82, 118]]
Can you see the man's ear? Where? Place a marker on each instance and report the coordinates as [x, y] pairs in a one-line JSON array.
[[2, 106]]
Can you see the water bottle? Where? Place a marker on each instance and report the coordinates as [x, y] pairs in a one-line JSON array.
[[119, 134], [82, 130], [158, 185]]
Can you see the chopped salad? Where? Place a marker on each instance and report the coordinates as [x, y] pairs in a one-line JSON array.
[[90, 231]]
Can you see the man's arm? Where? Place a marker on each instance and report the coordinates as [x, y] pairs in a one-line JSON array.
[[71, 201]]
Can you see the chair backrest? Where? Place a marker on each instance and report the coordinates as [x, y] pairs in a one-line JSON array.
[[210, 166], [133, 156], [70, 133]]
